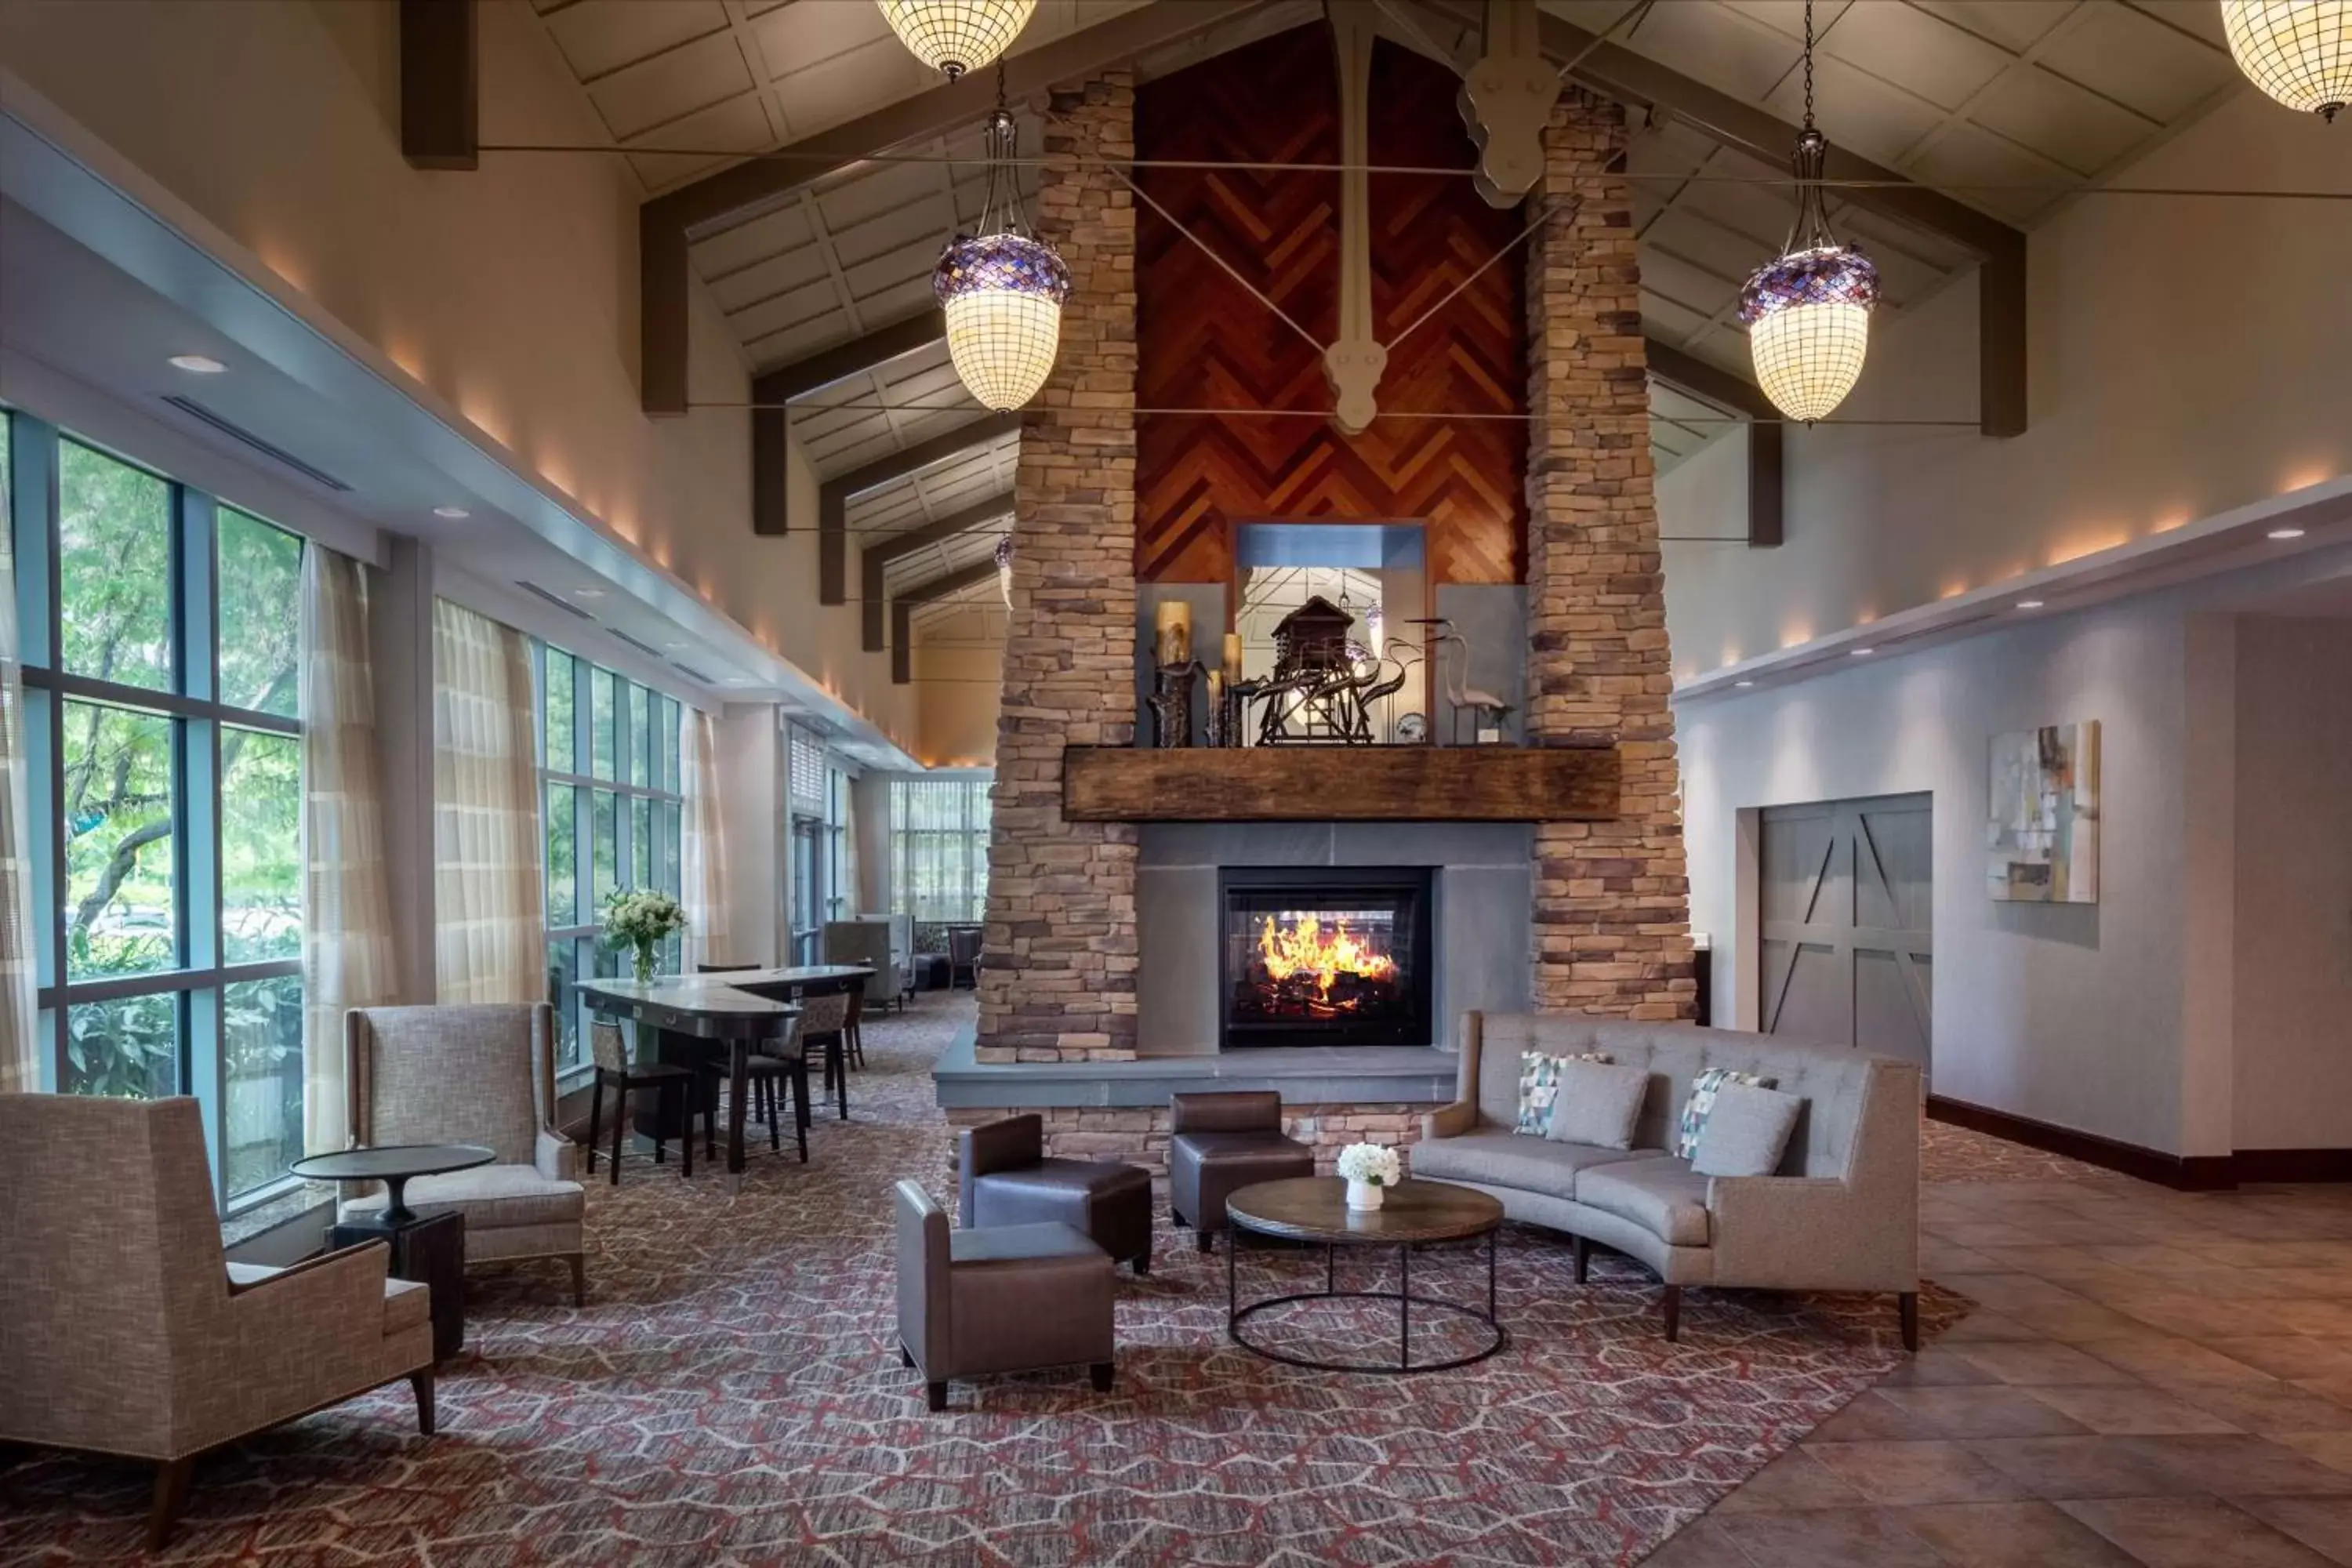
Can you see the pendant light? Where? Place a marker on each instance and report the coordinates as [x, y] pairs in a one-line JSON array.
[[957, 36], [1001, 290], [1808, 312], [1005, 567], [2298, 51]]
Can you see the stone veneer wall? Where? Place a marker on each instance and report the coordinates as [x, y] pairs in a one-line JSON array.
[[1138, 1135], [1060, 978], [1612, 899]]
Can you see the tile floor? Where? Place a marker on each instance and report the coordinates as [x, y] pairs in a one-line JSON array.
[[2150, 1377]]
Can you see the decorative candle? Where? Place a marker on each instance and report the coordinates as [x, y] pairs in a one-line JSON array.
[[1173, 619], [1232, 660]]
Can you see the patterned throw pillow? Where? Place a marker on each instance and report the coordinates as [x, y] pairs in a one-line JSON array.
[[1701, 1104], [1539, 1087]]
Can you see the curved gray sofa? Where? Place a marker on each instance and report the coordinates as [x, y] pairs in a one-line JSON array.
[[1841, 1213]]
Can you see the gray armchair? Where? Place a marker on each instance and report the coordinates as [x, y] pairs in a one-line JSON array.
[[1013, 1298], [875, 942], [124, 1331], [485, 1075]]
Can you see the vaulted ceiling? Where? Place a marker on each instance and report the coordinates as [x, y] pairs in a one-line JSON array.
[[2011, 106]]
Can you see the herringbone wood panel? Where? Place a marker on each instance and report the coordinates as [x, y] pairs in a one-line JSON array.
[[1205, 342]]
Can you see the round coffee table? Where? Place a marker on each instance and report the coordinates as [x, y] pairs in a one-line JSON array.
[[1315, 1209], [396, 1165]]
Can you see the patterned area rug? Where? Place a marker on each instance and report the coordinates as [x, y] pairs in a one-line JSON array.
[[732, 1394], [1949, 1153]]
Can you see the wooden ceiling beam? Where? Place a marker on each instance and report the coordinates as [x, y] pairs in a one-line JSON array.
[[440, 84], [902, 612], [1767, 453], [1616, 72], [773, 388], [833, 497], [743, 191], [874, 559]]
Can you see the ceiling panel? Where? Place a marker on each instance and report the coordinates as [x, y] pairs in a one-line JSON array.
[[2070, 126], [600, 37], [2141, 62], [1916, 50], [2013, 25], [671, 85]]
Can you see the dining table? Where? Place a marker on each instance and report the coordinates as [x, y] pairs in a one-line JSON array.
[[734, 1011]]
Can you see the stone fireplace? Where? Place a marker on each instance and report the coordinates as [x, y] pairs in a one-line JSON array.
[[1332, 957]]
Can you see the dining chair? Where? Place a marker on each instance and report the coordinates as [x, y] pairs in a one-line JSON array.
[[963, 956], [774, 1060], [823, 1026], [674, 1085]]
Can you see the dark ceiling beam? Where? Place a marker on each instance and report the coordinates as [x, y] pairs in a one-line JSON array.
[[440, 77], [832, 497], [1616, 72], [1688, 373], [902, 612], [772, 389], [744, 190], [874, 559]]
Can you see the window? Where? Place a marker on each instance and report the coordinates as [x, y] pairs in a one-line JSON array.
[[609, 764], [162, 632], [939, 849]]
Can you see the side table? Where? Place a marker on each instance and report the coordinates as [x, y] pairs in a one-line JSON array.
[[430, 1248]]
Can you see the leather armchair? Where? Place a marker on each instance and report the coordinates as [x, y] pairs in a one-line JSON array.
[[1005, 1177], [127, 1333], [481, 1074], [1011, 1299], [1220, 1143]]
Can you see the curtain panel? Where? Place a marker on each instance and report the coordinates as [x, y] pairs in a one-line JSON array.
[[20, 1060], [703, 872], [490, 905], [347, 944]]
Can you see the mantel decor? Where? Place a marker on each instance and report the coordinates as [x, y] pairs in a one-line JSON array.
[[1341, 784]]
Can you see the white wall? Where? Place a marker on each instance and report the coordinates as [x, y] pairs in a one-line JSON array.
[[2292, 999], [2065, 1013], [2187, 357], [958, 668]]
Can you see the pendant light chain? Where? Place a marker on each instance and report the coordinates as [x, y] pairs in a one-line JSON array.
[[1809, 64]]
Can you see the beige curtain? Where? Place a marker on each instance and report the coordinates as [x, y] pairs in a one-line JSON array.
[[704, 853], [20, 1050], [347, 948], [489, 910]]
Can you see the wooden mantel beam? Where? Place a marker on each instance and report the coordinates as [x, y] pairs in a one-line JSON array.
[[743, 191], [1341, 784]]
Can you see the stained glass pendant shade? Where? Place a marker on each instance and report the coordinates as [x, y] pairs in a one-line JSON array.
[[1005, 568], [1808, 311], [957, 36], [1002, 290], [2298, 51]]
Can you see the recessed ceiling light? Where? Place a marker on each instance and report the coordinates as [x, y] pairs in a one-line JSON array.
[[1743, 683], [1860, 652], [197, 364], [2029, 603], [673, 645], [452, 512], [587, 593], [2284, 534]]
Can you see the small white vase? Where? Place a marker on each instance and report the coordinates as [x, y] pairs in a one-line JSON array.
[[1365, 1194]]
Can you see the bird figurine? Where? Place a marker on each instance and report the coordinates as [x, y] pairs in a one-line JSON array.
[[1489, 710]]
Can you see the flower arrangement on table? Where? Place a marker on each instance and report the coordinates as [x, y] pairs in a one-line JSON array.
[[642, 919], [1370, 1170]]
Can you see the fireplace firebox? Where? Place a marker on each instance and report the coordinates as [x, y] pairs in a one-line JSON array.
[[1325, 956]]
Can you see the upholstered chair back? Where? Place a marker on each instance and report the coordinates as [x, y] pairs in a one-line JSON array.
[[606, 1045], [474, 1074], [863, 943], [823, 1014], [113, 1261]]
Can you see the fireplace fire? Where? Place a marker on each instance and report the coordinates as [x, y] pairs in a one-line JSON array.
[[1326, 956]]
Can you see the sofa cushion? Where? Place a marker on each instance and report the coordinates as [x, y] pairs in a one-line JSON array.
[[1539, 1088], [406, 1303], [1020, 1244], [1506, 1160], [493, 1196], [1598, 1103], [1664, 1196], [1747, 1133], [1700, 1104]]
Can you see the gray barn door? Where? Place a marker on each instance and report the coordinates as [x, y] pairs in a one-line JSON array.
[[1847, 954]]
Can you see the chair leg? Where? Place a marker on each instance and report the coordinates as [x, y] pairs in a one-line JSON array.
[[1908, 1304], [1208, 1242], [1583, 1252], [685, 1098], [1143, 1263], [937, 1393], [620, 1131], [595, 1118], [1674, 1313], [170, 1496], [579, 1261], [710, 1123], [420, 1383], [1101, 1372]]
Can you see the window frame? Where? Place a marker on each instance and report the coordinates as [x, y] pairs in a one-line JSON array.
[[201, 978], [974, 794], [666, 809]]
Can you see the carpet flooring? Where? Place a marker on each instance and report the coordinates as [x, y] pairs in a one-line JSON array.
[[732, 1394]]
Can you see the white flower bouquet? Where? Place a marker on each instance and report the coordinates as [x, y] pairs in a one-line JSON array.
[[642, 919], [1370, 1170]]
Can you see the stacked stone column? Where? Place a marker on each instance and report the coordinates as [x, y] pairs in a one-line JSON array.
[[1059, 977], [1612, 899]]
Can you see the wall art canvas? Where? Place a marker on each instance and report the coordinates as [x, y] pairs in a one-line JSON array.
[[2042, 836]]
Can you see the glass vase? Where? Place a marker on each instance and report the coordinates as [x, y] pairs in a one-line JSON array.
[[644, 960]]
